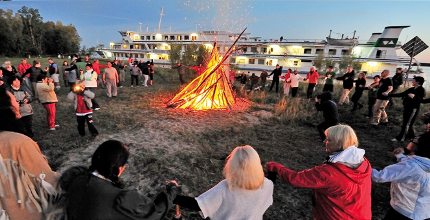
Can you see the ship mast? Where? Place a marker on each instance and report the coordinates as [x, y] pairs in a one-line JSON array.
[[161, 15]]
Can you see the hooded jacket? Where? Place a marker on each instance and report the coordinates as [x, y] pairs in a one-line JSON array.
[[410, 185], [328, 107], [342, 185]]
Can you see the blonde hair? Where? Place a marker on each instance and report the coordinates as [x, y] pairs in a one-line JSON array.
[[243, 169], [342, 137]]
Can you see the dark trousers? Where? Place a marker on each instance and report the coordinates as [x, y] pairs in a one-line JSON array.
[[409, 116], [310, 90], [394, 215], [263, 84], [118, 84], [394, 91], [71, 84], [371, 103], [94, 101], [328, 87], [273, 83], [181, 78], [81, 125], [28, 123], [322, 126], [135, 78], [294, 91]]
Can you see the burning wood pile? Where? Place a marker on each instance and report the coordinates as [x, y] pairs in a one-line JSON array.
[[212, 89]]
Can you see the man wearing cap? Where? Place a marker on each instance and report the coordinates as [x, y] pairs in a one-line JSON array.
[[411, 102], [90, 79]]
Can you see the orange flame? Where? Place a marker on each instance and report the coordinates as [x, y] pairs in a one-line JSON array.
[[211, 90]]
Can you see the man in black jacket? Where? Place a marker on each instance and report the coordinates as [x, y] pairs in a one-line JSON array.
[[348, 83], [397, 82], [325, 103], [276, 73], [411, 101]]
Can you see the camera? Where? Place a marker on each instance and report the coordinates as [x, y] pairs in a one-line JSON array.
[[20, 102]]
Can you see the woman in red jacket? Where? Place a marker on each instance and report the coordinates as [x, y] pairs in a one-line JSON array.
[[342, 184]]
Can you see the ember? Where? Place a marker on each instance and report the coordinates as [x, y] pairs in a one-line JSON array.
[[211, 90]]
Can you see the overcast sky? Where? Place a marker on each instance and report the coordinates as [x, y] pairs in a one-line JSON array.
[[101, 20]]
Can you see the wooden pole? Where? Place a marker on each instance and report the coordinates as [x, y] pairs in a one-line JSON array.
[[410, 62]]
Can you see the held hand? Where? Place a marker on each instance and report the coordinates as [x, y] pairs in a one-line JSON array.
[[385, 93], [25, 101], [316, 99], [398, 151], [172, 181], [329, 76], [350, 90], [104, 81], [411, 95]]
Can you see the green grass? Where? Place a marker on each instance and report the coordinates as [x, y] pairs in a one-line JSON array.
[[191, 146]]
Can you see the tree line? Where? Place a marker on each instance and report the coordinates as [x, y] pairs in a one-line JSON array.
[[24, 33]]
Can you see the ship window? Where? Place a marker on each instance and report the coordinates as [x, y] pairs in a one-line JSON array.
[[142, 37], [296, 63], [232, 60], [193, 37], [166, 47], [264, 50], [261, 61], [124, 46], [186, 37], [381, 53], [179, 37], [251, 61], [253, 49], [225, 48], [346, 52], [131, 47], [332, 52], [153, 37], [148, 37], [172, 37], [319, 51], [166, 38], [241, 61], [307, 51], [136, 46], [136, 37], [271, 49]]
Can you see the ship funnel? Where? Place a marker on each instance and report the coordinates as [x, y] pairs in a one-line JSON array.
[[390, 36], [374, 38]]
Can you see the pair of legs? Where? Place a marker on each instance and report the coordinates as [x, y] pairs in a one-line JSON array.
[[28, 123], [90, 122], [371, 103], [35, 90], [181, 78], [409, 116], [111, 87], [94, 101], [344, 98], [145, 80], [100, 81], [287, 89], [310, 90], [275, 81], [379, 114], [135, 79], [50, 114], [151, 78], [294, 91]]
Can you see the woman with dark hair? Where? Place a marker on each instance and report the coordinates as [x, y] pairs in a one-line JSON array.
[[360, 84], [23, 97], [22, 167], [65, 73], [96, 192]]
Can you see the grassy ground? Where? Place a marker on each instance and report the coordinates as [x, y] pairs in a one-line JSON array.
[[191, 146]]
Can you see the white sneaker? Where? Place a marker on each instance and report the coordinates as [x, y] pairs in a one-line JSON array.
[[57, 126], [96, 109], [394, 140], [52, 129]]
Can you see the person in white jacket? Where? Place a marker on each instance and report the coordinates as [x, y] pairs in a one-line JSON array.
[[410, 181], [90, 78], [294, 80]]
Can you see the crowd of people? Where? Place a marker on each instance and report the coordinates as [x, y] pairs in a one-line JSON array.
[[341, 185]]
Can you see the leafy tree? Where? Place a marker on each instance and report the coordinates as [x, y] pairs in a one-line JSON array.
[[32, 27], [349, 60]]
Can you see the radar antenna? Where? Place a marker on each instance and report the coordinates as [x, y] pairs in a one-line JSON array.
[[161, 15]]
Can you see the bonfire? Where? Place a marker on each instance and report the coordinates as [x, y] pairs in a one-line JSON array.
[[210, 90]]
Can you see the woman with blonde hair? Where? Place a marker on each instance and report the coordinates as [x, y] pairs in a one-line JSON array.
[[341, 185], [244, 193]]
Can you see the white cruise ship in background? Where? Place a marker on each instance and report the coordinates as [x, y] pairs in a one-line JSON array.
[[381, 51]]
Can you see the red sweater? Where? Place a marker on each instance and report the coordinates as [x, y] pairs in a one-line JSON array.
[[340, 192], [23, 67], [313, 78], [96, 67]]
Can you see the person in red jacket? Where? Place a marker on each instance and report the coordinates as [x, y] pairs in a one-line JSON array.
[[96, 68], [313, 79], [200, 69], [342, 185]]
